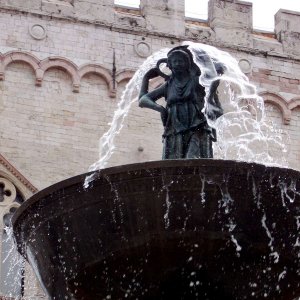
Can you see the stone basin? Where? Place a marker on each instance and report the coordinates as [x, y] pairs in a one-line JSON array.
[[173, 229]]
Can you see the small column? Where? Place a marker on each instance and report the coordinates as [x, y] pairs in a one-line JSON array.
[[287, 30], [164, 16], [231, 20]]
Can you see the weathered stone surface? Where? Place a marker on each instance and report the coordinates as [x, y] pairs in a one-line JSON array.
[[287, 30], [164, 16], [102, 11], [231, 21], [233, 14]]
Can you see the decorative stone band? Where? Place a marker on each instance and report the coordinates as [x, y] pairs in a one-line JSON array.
[[12, 170], [7, 192], [76, 73], [283, 105]]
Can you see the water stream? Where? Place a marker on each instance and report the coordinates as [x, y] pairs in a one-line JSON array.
[[12, 266], [243, 132], [129, 96]]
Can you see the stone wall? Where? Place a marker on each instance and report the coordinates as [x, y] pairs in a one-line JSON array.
[[58, 89], [64, 65]]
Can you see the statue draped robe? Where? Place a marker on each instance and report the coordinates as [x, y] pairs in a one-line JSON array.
[[186, 132]]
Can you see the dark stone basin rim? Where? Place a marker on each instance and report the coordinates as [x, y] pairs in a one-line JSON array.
[[154, 238], [160, 164]]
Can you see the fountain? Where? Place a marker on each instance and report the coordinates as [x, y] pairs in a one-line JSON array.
[[171, 229]]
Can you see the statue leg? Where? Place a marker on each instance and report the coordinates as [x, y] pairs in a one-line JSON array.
[[200, 145], [173, 147]]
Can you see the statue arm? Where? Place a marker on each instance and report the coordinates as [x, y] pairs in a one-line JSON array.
[[148, 100], [207, 64], [214, 108], [150, 74]]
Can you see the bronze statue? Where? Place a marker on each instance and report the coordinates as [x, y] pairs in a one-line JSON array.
[[186, 132]]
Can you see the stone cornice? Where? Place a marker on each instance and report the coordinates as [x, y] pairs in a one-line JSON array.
[[123, 23], [12, 170]]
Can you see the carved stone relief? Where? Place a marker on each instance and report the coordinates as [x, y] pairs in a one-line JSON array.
[[37, 31], [142, 49], [245, 66], [7, 192]]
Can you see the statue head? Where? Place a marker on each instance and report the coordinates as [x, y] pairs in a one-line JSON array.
[[183, 53], [187, 60], [178, 59]]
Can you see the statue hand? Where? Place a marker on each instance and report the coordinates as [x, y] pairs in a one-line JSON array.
[[164, 116]]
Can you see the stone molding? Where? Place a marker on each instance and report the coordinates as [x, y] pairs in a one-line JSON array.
[[76, 73], [37, 31], [8, 203], [9, 190], [295, 102], [101, 71], [10, 193], [60, 63], [229, 22], [8, 171], [284, 106], [124, 75]]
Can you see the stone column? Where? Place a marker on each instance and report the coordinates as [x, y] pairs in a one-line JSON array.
[[231, 20], [287, 30], [164, 16]]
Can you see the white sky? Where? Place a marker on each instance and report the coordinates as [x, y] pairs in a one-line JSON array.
[[263, 10]]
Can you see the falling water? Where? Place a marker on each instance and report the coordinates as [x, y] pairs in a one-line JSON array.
[[13, 264], [243, 133], [106, 142]]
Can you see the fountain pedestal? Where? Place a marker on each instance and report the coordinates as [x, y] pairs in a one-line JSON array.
[[174, 229]]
